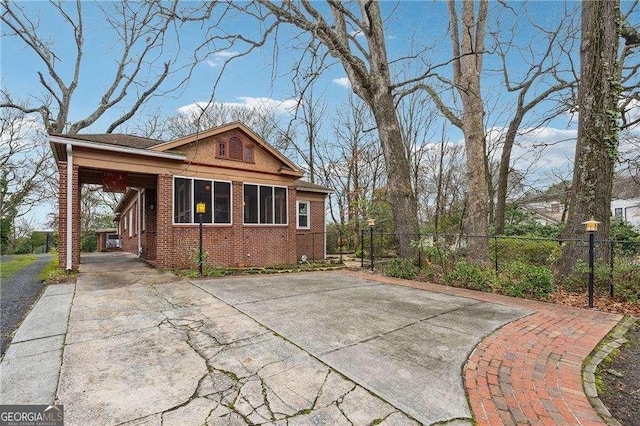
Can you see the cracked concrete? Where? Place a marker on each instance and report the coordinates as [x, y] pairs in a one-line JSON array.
[[143, 347], [162, 351]]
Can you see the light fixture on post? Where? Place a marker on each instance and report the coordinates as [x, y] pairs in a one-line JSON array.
[[591, 227], [201, 209], [371, 223]]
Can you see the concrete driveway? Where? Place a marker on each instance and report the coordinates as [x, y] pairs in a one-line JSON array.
[[145, 347]]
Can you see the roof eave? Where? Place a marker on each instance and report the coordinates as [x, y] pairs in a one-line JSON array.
[[64, 140]]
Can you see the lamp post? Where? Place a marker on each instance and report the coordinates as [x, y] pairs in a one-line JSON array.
[[201, 209], [592, 227], [371, 223]]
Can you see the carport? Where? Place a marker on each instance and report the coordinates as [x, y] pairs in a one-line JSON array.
[[116, 162]]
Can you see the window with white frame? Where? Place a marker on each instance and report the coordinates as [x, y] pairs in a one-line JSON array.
[[617, 212], [303, 215], [265, 204], [216, 196]]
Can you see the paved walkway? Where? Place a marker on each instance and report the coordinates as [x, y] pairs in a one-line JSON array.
[[530, 370], [319, 348]]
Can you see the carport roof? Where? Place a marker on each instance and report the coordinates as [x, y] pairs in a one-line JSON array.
[[116, 139], [125, 144]]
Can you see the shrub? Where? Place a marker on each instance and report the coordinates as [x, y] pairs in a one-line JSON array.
[[533, 252], [523, 280], [626, 279], [473, 277], [401, 268]]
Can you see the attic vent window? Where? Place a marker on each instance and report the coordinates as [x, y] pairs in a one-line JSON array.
[[235, 149]]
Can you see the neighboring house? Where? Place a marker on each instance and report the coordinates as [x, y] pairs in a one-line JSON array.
[[625, 201], [258, 212], [548, 208]]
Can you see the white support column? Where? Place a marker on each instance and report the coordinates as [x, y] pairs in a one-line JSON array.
[[69, 265], [138, 224]]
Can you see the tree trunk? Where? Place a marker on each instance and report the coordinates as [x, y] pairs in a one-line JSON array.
[[503, 174], [597, 144], [468, 80], [401, 194]]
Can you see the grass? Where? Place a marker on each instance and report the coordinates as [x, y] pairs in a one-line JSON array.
[[16, 264]]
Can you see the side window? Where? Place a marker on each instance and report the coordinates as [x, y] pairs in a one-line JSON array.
[[222, 150], [248, 154], [303, 215]]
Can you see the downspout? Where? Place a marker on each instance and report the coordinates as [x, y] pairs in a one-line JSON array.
[[69, 266], [138, 227]]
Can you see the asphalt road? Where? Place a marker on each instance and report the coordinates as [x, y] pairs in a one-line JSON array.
[[17, 295]]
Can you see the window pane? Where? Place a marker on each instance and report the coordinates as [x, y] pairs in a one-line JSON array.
[[248, 154], [222, 149], [182, 201], [250, 204], [222, 202], [303, 215], [202, 194], [280, 205], [266, 204]]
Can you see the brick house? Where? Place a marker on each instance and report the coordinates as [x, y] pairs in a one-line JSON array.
[[258, 212]]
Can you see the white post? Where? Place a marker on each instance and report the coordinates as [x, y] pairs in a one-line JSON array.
[[69, 207], [138, 224]]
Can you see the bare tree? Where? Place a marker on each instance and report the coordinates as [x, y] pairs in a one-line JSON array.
[[24, 164], [353, 34], [141, 69], [597, 145], [468, 45], [544, 77]]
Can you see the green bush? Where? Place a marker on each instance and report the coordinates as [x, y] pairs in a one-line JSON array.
[[471, 276], [532, 252], [626, 279], [523, 280], [401, 268]]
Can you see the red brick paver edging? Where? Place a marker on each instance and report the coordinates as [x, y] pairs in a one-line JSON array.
[[530, 370]]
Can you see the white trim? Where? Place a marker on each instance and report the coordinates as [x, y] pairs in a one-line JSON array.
[[286, 201], [308, 203], [130, 214], [69, 148], [138, 228], [112, 148], [144, 210]]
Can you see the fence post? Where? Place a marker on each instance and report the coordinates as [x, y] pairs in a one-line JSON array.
[[419, 245], [371, 239], [495, 251], [591, 256], [611, 262], [362, 248], [340, 243]]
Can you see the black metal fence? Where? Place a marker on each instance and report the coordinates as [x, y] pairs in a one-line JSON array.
[[614, 260]]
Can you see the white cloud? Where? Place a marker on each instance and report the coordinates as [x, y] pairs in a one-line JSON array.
[[357, 33], [218, 58], [342, 82], [286, 106]]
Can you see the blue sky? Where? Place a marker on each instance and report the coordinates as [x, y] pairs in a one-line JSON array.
[[410, 25]]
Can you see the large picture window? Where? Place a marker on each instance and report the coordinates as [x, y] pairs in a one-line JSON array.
[[214, 194], [265, 204]]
